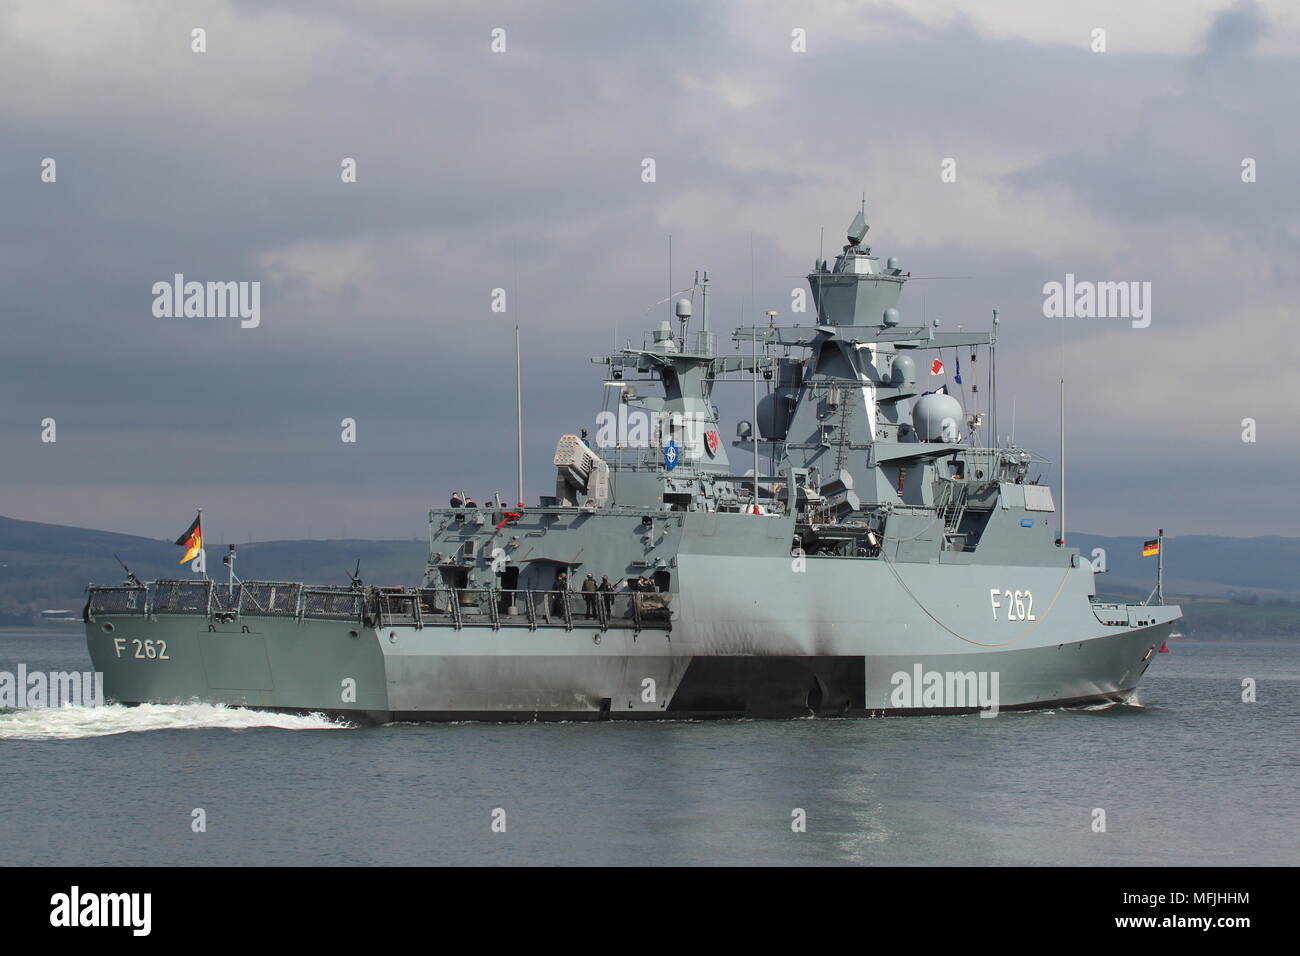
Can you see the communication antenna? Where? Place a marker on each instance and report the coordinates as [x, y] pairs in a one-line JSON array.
[[767, 357], [704, 301], [821, 264], [993, 383], [754, 437], [519, 400], [670, 274], [1061, 529], [519, 425], [1061, 479]]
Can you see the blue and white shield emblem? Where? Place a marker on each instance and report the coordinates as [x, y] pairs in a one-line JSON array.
[[671, 454]]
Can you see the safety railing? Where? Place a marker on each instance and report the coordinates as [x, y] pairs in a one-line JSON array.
[[269, 599], [126, 600], [179, 597], [343, 604], [382, 607]]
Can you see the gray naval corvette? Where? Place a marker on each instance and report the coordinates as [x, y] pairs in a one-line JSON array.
[[877, 555]]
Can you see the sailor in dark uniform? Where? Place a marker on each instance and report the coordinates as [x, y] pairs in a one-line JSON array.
[[607, 591], [557, 600]]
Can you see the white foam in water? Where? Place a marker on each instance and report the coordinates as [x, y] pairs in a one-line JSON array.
[[69, 723], [1130, 700]]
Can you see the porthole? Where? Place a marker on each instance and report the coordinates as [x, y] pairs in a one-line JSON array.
[[106, 627]]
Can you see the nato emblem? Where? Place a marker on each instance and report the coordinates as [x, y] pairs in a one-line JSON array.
[[671, 454]]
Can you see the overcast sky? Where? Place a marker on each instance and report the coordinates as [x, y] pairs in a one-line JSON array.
[[522, 170]]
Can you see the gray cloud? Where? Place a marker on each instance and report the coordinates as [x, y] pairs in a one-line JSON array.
[[1234, 33], [473, 167]]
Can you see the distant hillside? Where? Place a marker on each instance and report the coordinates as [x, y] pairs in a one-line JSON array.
[[1230, 586], [1202, 564], [47, 566]]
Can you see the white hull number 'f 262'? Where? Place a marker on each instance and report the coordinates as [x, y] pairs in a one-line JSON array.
[[1019, 605]]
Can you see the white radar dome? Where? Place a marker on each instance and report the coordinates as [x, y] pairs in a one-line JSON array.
[[937, 417]]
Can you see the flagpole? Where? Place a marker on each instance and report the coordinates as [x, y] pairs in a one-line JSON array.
[[202, 553], [1160, 566]]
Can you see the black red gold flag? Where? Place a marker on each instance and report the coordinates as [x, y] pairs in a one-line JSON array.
[[192, 540]]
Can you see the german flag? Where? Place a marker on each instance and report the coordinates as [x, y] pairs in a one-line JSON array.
[[191, 540], [1148, 547]]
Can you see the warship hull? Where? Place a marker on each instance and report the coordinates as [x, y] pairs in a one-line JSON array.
[[842, 638], [898, 556]]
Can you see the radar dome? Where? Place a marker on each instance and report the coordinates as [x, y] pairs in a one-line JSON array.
[[891, 316], [937, 417], [903, 370]]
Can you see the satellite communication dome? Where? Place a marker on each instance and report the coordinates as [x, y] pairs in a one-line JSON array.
[[937, 417], [683, 308], [903, 370], [891, 317]]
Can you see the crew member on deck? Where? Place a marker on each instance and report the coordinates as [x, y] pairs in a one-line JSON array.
[[557, 601], [589, 594], [456, 500]]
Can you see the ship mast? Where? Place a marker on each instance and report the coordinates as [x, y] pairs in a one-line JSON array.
[[519, 426]]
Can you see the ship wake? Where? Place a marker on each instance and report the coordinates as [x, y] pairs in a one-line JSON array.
[[71, 723], [1129, 702]]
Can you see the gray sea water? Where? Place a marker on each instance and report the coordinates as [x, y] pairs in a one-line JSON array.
[[1187, 775]]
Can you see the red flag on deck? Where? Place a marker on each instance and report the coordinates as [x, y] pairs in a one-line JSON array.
[[936, 368]]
